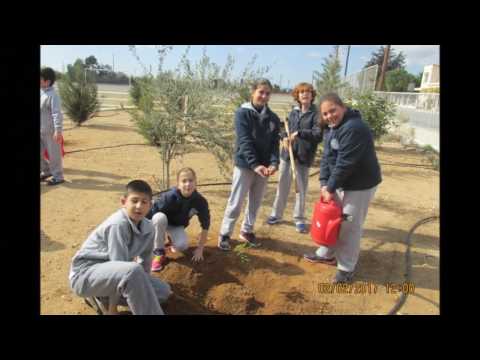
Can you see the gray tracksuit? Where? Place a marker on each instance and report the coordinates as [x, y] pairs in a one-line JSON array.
[[105, 267], [257, 144], [51, 120], [304, 149], [349, 168]]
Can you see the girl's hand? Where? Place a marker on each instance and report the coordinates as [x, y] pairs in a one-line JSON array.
[[327, 196], [261, 170], [271, 170], [58, 137], [198, 254]]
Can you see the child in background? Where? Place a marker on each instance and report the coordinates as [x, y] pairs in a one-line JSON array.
[[51, 128]]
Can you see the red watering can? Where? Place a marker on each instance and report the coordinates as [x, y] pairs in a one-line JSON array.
[[326, 220]]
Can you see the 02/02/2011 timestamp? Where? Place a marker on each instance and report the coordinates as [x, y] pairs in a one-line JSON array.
[[361, 288]]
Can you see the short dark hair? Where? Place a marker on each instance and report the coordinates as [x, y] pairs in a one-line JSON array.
[[138, 186], [259, 82], [333, 97], [48, 74]]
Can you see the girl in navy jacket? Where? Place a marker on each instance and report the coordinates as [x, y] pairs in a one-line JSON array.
[[256, 158]]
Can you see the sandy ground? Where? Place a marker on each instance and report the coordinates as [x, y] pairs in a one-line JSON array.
[[272, 279]]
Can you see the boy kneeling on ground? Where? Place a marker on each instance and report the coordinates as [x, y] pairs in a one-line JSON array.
[[113, 264]]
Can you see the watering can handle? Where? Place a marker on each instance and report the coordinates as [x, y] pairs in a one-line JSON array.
[[327, 202]]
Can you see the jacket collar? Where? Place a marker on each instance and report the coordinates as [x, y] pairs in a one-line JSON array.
[[248, 105], [311, 108]]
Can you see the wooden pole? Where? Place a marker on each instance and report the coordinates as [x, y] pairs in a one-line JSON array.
[[185, 113], [381, 80], [292, 160]]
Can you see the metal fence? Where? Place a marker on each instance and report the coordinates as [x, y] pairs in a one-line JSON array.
[[419, 101], [364, 80]]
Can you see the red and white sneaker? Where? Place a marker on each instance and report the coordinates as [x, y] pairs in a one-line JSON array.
[[158, 262]]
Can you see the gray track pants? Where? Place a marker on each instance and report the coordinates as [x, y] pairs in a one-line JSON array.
[[54, 165], [347, 248], [177, 233], [116, 279], [283, 190], [245, 181]]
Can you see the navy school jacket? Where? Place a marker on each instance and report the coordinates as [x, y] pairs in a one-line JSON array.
[[349, 159], [179, 209], [310, 134], [257, 137]]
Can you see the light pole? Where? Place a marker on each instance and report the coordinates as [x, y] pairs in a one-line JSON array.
[[384, 68], [346, 62]]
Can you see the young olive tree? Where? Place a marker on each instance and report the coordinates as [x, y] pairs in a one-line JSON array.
[[192, 106]]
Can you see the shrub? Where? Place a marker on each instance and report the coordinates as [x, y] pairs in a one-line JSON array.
[[376, 111], [79, 98]]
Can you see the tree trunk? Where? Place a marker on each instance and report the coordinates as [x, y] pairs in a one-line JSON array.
[[168, 173]]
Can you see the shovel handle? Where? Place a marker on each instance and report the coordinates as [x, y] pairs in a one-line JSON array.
[[292, 160]]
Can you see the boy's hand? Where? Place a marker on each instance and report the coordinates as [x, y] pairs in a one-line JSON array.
[[293, 136], [198, 254], [58, 137]]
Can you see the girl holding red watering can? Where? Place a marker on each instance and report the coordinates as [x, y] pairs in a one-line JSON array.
[[349, 176]]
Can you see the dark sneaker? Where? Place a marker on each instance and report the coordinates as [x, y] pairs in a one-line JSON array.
[[250, 239], [343, 277], [301, 228], [54, 182], [314, 258], [224, 242], [97, 305], [44, 177], [272, 220]]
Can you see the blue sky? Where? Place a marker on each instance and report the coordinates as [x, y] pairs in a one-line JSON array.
[[290, 64]]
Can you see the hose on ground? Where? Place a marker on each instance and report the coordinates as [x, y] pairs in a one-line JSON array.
[[408, 263]]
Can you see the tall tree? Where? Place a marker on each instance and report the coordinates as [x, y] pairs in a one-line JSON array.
[[76, 72], [78, 92], [398, 80], [330, 79], [395, 61], [91, 62]]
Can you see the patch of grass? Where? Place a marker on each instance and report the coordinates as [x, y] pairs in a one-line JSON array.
[[240, 251], [432, 155]]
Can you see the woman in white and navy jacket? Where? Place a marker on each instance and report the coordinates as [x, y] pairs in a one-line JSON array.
[[256, 158]]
